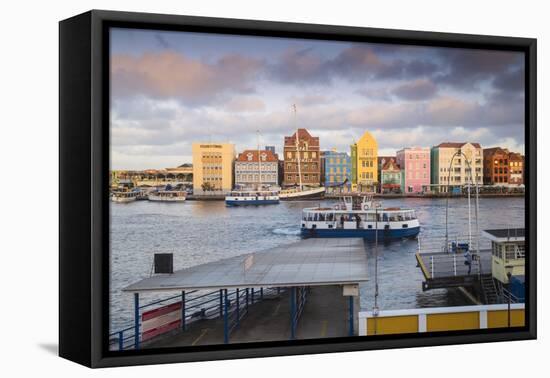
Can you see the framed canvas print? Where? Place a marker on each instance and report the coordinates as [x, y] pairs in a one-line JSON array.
[[234, 188]]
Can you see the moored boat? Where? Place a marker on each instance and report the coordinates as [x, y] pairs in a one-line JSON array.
[[120, 196], [251, 197], [301, 193], [168, 194], [359, 216]]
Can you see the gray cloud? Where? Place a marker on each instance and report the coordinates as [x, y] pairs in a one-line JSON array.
[[172, 75], [421, 89]]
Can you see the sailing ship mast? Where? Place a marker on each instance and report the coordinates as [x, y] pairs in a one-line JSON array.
[[297, 148], [258, 187]]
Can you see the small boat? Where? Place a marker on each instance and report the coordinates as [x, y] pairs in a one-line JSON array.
[[120, 196], [359, 216], [252, 197], [168, 194], [301, 193]]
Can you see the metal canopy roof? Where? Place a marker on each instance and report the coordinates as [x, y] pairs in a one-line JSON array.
[[506, 234], [310, 262]]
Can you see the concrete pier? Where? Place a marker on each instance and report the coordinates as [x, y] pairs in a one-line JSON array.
[[325, 315], [308, 289]]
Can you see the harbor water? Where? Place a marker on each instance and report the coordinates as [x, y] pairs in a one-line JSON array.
[[198, 232]]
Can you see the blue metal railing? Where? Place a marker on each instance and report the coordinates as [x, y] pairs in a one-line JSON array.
[[218, 303]]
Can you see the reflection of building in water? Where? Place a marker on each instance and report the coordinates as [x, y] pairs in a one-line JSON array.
[[213, 167]]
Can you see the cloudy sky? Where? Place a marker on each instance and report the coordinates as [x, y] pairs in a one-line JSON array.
[[170, 89]]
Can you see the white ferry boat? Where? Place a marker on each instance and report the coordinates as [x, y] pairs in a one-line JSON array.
[[244, 197], [359, 216], [167, 195], [120, 196]]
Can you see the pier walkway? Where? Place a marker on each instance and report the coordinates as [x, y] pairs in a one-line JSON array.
[[307, 289], [444, 270], [325, 315]]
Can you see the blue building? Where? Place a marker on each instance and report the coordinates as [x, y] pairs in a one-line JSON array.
[[337, 169]]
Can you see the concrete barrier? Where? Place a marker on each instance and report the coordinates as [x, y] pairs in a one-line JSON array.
[[440, 319]]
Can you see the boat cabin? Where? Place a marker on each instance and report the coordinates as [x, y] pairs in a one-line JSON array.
[[508, 253]]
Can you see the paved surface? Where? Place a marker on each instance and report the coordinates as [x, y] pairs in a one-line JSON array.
[[325, 315], [318, 261]]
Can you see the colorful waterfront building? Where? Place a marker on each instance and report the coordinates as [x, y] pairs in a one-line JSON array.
[[308, 154], [466, 166], [253, 171], [415, 163], [517, 168], [366, 160], [337, 169], [495, 166], [213, 167], [391, 176]]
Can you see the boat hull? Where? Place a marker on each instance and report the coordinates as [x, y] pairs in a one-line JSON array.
[[251, 202], [370, 234], [123, 199], [157, 199], [317, 193]]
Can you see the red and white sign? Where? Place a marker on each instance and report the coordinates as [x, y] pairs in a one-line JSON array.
[[160, 320]]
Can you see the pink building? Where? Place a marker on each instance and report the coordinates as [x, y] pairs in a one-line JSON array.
[[415, 163]]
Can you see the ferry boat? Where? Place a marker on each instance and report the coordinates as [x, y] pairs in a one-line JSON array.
[[244, 197], [120, 196], [168, 194], [359, 216]]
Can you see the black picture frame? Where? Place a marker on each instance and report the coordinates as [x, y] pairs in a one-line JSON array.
[[84, 167]]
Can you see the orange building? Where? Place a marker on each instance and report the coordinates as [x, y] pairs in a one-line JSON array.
[[502, 167], [516, 168]]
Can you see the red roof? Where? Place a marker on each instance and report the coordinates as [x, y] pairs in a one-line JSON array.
[[493, 150], [391, 165], [270, 156], [303, 134], [457, 144]]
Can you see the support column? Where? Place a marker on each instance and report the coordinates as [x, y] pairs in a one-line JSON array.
[[246, 299], [136, 320], [252, 293], [226, 318]]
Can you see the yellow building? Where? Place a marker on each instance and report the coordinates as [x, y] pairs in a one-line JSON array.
[[366, 173], [213, 167]]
